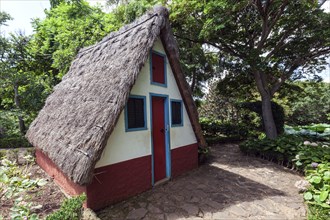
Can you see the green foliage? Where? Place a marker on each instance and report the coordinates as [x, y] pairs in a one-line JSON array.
[[14, 142], [31, 65], [318, 194], [24, 210], [278, 113], [67, 28], [216, 131], [282, 150], [316, 212], [308, 103], [15, 181], [312, 132], [71, 209], [127, 13], [259, 44], [4, 17]]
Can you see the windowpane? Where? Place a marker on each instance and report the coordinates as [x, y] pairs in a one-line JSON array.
[[135, 113], [176, 108]]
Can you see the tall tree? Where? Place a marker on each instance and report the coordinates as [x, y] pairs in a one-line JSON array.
[[269, 41], [69, 26], [15, 69]]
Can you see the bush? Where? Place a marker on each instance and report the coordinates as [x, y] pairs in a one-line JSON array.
[[318, 175], [315, 132], [215, 131], [278, 113], [282, 150], [71, 209], [14, 142]]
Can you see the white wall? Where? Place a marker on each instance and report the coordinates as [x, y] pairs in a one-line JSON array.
[[124, 145]]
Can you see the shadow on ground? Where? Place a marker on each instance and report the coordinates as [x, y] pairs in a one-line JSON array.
[[206, 190]]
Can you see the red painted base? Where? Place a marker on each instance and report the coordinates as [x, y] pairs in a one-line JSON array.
[[122, 180], [119, 181], [184, 159], [59, 177]]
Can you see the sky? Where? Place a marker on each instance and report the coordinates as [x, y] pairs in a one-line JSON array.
[[24, 10]]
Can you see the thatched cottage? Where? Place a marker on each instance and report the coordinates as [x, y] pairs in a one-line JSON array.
[[122, 119]]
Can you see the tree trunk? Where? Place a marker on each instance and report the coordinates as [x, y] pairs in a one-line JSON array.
[[21, 122], [267, 114], [267, 117]]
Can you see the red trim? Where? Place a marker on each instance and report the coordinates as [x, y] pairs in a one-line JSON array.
[[184, 159], [59, 177], [116, 182]]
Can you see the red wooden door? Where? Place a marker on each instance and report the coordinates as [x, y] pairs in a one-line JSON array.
[[158, 137]]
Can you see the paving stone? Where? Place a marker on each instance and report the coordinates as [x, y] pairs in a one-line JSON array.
[[237, 210], [194, 199], [137, 213], [192, 210], [295, 206], [89, 214], [153, 209], [174, 216], [214, 204], [151, 216], [169, 209], [223, 216], [143, 204]]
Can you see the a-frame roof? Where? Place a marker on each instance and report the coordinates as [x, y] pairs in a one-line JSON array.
[[73, 127]]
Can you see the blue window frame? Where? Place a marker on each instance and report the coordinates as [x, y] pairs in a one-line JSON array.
[[135, 113], [176, 113], [158, 66]]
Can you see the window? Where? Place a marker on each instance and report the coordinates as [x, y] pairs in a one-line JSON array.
[[135, 113], [158, 69], [176, 113]]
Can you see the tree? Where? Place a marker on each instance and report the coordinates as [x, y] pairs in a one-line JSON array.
[[269, 41], [309, 102], [68, 27], [13, 66]]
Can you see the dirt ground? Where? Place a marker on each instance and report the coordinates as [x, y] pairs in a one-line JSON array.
[[49, 195]]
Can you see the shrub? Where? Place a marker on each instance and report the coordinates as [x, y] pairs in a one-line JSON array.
[[71, 209], [215, 130], [282, 150], [278, 113], [320, 132], [14, 142]]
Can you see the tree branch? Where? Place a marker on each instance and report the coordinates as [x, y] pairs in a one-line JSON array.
[[268, 25]]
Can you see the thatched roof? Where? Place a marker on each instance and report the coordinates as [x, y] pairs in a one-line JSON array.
[[73, 127]]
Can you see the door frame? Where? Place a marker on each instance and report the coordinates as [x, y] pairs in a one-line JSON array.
[[167, 136]]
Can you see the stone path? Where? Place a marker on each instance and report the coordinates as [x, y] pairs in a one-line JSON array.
[[230, 186]]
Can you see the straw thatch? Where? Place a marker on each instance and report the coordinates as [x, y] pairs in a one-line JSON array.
[[73, 127]]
